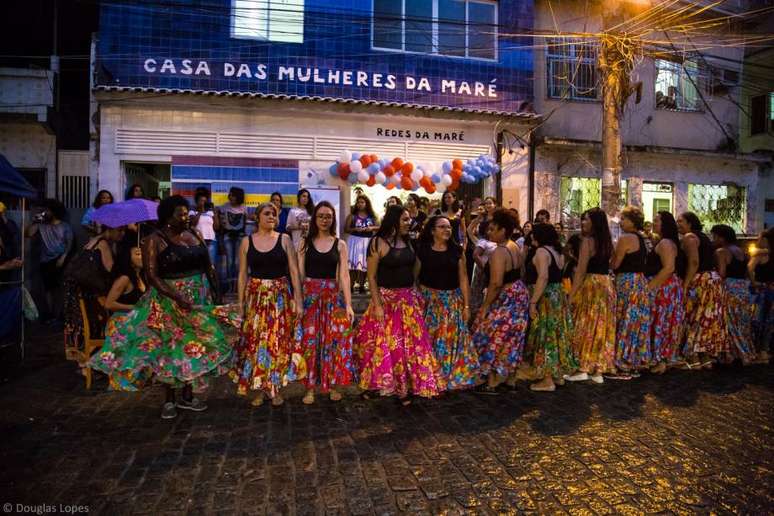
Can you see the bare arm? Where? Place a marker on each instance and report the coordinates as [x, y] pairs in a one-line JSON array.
[[118, 288], [691, 248], [462, 273], [722, 258], [541, 261], [478, 256], [106, 254], [242, 280], [374, 255], [624, 245], [344, 277], [496, 273], [348, 225], [667, 251], [295, 278], [586, 248]]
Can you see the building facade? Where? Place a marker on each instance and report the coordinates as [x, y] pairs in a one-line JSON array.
[[267, 94], [681, 139]]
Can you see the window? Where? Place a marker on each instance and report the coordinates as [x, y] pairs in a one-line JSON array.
[[718, 204], [676, 85], [572, 70], [762, 114], [272, 20], [461, 28], [578, 194]]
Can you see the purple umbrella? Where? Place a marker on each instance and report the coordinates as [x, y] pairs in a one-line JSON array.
[[124, 213]]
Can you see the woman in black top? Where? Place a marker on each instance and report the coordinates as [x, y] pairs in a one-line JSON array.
[[174, 334], [501, 325], [443, 282], [549, 309], [705, 328], [592, 297], [732, 267], [761, 270], [326, 343], [270, 311], [129, 285], [393, 346], [666, 293], [633, 317]]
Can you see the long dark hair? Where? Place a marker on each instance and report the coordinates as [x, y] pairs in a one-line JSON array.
[[546, 235], [426, 237], [310, 204], [600, 231], [124, 267], [693, 222], [130, 192], [669, 227], [455, 205], [96, 203], [725, 232], [389, 230], [238, 194], [313, 229], [369, 208]]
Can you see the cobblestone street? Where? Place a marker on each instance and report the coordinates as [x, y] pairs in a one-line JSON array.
[[686, 442]]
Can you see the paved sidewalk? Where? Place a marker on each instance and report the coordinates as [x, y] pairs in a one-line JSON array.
[[687, 442]]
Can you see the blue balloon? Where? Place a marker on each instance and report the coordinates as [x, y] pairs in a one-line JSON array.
[[352, 178], [495, 168], [334, 169], [373, 168], [383, 163], [435, 178], [476, 170], [355, 155], [447, 166]]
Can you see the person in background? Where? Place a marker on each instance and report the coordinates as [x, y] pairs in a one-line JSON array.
[[205, 222], [443, 284], [480, 253], [326, 342], [732, 267], [500, 328], [393, 347], [360, 225], [303, 210], [418, 218], [542, 217], [666, 293], [451, 209], [284, 211], [592, 297], [10, 264], [517, 230], [175, 334], [633, 317], [424, 205], [551, 329], [56, 237], [305, 223], [92, 228], [233, 225], [560, 230], [705, 328], [268, 267], [524, 240], [393, 200], [761, 269], [135, 192], [129, 284]]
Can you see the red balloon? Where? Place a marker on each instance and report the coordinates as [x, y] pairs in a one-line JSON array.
[[397, 163], [457, 163], [424, 181], [390, 186], [344, 170], [430, 188], [456, 174], [365, 160], [407, 168], [371, 181], [406, 183], [389, 171], [373, 157]]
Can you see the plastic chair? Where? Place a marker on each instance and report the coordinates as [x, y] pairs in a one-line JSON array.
[[89, 344]]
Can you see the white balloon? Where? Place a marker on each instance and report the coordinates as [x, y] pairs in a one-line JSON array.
[[355, 166], [345, 157], [446, 180], [380, 178], [395, 179], [416, 175], [363, 176], [440, 187], [427, 171]]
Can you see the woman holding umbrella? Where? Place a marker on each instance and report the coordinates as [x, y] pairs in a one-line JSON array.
[[175, 334]]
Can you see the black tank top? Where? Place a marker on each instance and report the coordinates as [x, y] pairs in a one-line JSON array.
[[554, 272], [439, 269], [272, 264], [764, 272], [321, 265], [180, 261], [737, 269], [530, 271], [508, 277], [132, 297], [598, 265], [636, 261], [654, 264], [706, 253], [396, 268]]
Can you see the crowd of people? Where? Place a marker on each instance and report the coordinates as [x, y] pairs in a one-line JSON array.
[[459, 298]]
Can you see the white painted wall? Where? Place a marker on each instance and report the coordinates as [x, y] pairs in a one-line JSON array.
[[29, 145]]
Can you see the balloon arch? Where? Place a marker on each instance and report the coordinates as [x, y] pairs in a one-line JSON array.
[[369, 170]]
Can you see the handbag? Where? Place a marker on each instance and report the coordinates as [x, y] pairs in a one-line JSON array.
[[29, 307], [87, 272]]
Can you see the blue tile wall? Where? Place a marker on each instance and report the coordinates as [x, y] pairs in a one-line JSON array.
[[337, 36]]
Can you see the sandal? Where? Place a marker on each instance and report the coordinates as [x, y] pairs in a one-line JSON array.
[[485, 388], [308, 398], [369, 395], [405, 402], [277, 400], [335, 395]]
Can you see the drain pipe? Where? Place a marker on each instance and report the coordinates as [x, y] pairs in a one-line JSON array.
[[533, 143]]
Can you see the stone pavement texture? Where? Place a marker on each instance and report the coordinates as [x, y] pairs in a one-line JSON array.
[[684, 443]]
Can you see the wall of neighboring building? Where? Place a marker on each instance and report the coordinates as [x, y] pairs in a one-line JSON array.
[[30, 146]]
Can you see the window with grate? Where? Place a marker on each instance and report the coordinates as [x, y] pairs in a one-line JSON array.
[[271, 20], [718, 204], [460, 28], [578, 194], [572, 69], [762, 114], [677, 83]]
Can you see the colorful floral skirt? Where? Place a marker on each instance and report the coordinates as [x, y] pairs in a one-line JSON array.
[[159, 341], [593, 314], [667, 316], [454, 352], [326, 341], [358, 252], [763, 319], [705, 326], [269, 335], [396, 354], [501, 333], [739, 311], [633, 318], [550, 334]]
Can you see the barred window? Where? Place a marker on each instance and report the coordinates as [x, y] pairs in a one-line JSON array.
[[718, 204], [578, 194], [762, 114], [678, 85], [572, 69], [271, 20]]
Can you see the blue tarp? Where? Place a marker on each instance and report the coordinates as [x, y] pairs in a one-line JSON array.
[[12, 182]]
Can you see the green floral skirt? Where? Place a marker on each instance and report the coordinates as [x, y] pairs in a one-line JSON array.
[[159, 341]]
